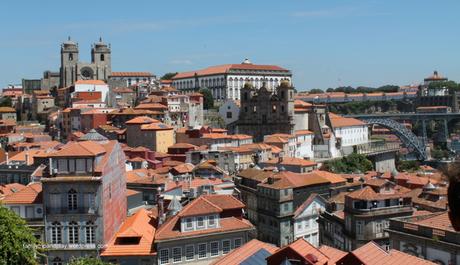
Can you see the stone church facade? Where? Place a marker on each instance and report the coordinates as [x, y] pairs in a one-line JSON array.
[[265, 112], [72, 69]]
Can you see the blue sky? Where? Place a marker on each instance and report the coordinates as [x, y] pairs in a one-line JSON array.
[[324, 43]]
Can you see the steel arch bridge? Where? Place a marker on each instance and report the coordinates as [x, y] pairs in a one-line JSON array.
[[405, 135]]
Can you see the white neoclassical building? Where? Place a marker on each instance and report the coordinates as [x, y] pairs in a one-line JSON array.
[[225, 81]]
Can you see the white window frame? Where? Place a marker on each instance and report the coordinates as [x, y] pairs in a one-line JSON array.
[[213, 254], [56, 233], [187, 223], [213, 218], [205, 251], [235, 240], [198, 222], [73, 233], [161, 258], [187, 251], [224, 249], [174, 255], [90, 233]]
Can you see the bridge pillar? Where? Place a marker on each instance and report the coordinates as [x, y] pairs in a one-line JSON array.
[[446, 130], [424, 130], [384, 162]]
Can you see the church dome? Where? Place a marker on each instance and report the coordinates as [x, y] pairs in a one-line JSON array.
[[285, 83], [248, 85], [246, 61]]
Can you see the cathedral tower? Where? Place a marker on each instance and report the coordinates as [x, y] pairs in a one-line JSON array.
[[69, 63], [101, 59]]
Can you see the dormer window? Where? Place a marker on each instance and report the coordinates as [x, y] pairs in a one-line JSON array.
[[211, 220], [200, 221], [188, 223]]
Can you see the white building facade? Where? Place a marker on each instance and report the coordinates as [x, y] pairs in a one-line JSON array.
[[305, 219], [225, 81]]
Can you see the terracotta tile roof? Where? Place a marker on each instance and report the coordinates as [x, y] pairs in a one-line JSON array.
[[183, 145], [239, 255], [340, 214], [184, 168], [332, 253], [7, 110], [76, 149], [302, 132], [225, 202], [31, 194], [306, 250], [137, 226], [30, 154], [332, 177], [291, 161], [142, 120], [170, 229], [221, 69], [339, 198], [154, 106], [200, 206], [287, 179], [240, 136], [131, 74], [131, 111], [130, 192], [371, 253], [215, 136], [257, 146], [275, 140], [90, 82], [144, 176], [366, 193], [158, 126], [376, 182], [172, 163], [7, 189], [339, 121], [255, 174], [438, 221]]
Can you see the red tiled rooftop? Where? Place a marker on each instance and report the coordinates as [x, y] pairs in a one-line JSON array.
[[90, 82], [131, 74], [31, 194], [137, 226], [220, 69], [237, 256]]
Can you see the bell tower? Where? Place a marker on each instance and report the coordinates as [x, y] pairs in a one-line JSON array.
[[101, 59], [69, 62]]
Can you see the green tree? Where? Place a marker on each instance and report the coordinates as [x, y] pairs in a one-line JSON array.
[[316, 91], [168, 76], [88, 261], [6, 102], [349, 164], [208, 100], [450, 85], [18, 245]]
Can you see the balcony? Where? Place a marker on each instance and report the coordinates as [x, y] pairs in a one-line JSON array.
[[381, 210], [78, 210]]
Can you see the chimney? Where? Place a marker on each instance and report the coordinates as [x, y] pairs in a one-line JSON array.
[[7, 158]]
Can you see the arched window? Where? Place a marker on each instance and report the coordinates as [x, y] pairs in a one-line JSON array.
[[57, 261], [90, 231], [56, 233], [73, 232], [72, 199], [102, 57]]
